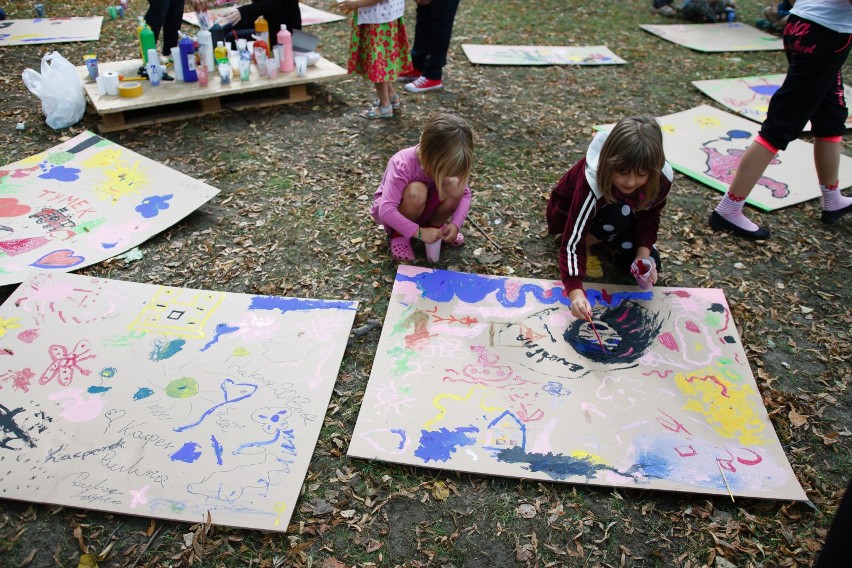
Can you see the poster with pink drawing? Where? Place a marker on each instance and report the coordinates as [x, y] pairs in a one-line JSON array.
[[492, 375], [50, 30], [164, 402], [734, 36], [541, 55], [749, 96], [707, 144], [85, 201], [310, 15]]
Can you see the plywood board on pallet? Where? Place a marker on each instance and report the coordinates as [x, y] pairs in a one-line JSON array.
[[164, 402], [84, 201], [734, 36], [50, 30], [171, 92], [540, 55], [492, 375]]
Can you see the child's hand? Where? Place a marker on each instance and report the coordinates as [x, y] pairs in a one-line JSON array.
[[430, 234], [580, 306], [449, 233], [348, 5], [232, 16]]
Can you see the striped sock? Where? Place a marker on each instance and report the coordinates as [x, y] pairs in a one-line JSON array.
[[832, 199], [731, 209]]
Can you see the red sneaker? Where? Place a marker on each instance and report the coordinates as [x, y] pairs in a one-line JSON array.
[[422, 84], [409, 75]]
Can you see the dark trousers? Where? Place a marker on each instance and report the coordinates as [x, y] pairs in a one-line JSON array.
[[432, 33], [614, 225], [813, 88], [836, 551], [165, 15], [275, 12]]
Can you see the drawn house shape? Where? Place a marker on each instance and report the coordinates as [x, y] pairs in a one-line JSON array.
[[505, 431], [178, 312]]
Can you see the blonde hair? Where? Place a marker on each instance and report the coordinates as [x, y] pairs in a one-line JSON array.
[[635, 144], [446, 149]]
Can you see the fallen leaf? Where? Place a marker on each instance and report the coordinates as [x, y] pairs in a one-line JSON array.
[[87, 561], [526, 511], [797, 419], [440, 491]]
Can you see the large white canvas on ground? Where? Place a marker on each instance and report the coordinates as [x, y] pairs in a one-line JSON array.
[[749, 96], [86, 200], [310, 16], [540, 55], [707, 144], [164, 402], [492, 375], [733, 36], [50, 30]]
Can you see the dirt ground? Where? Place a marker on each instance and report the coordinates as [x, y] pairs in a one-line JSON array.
[[291, 219]]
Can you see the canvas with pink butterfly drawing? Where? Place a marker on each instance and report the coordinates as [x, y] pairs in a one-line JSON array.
[[84, 201]]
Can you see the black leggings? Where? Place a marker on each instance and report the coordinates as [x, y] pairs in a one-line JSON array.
[[165, 15], [813, 89]]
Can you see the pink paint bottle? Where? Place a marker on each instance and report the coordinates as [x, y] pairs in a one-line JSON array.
[[285, 39]]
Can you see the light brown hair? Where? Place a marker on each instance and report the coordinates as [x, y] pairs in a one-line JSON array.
[[635, 144], [446, 149]]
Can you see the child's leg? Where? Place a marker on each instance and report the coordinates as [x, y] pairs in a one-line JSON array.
[[382, 93], [827, 162], [413, 202], [730, 208], [446, 207]]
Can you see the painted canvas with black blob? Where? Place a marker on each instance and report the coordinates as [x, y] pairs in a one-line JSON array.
[[84, 201], [50, 30], [749, 96], [164, 402], [492, 375]]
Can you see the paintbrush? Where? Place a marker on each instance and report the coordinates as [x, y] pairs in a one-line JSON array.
[[592, 325], [725, 479]]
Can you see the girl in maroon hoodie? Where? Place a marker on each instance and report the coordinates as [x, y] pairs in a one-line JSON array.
[[613, 196]]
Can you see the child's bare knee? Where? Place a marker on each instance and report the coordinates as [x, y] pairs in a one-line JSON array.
[[415, 193]]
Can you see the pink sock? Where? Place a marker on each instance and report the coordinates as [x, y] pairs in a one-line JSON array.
[[731, 209], [832, 199]]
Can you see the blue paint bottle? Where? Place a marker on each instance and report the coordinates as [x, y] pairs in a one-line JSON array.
[[187, 59]]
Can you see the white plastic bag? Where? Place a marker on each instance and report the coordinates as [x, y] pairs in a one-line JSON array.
[[60, 89]]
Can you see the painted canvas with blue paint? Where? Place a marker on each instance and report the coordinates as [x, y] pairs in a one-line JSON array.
[[84, 201], [164, 402], [734, 36], [540, 55], [50, 30], [749, 96], [492, 375]]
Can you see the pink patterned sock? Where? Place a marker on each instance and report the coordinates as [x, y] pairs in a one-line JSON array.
[[731, 209], [832, 199]]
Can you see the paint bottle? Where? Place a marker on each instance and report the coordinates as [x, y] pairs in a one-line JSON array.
[[176, 62], [285, 39], [205, 48], [187, 59], [146, 42], [245, 66], [260, 57], [261, 29], [221, 52]]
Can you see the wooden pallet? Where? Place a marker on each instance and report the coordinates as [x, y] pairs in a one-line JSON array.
[[174, 100]]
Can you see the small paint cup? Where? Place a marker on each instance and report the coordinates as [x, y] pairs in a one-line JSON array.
[[272, 68], [225, 73], [641, 271], [245, 68], [39, 9], [155, 73], [202, 75], [92, 66], [301, 62], [120, 11], [112, 12], [433, 250]]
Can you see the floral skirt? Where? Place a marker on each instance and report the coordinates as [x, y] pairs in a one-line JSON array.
[[379, 52]]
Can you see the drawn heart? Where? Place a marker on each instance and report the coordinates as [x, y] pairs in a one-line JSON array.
[[28, 335], [20, 246], [10, 207], [62, 258]]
